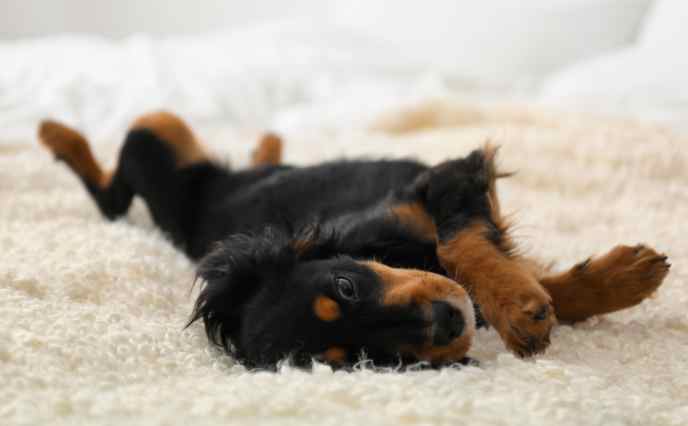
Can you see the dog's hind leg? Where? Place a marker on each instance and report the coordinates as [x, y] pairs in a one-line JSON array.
[[110, 193], [154, 162], [268, 152], [622, 278]]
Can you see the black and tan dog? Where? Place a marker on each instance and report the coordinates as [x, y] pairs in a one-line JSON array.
[[382, 257]]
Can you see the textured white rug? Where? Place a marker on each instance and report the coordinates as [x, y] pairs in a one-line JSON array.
[[91, 312]]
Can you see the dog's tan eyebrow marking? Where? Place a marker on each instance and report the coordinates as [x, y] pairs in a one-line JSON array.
[[326, 309]]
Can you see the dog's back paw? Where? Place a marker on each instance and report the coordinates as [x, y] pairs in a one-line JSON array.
[[70, 146]]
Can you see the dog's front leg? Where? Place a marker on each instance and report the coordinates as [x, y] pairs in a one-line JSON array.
[[509, 296], [474, 248]]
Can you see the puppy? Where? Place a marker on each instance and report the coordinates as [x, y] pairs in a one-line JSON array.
[[387, 258]]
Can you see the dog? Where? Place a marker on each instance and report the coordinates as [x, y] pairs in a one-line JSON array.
[[394, 259]]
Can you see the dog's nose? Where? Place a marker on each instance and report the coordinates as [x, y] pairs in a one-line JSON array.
[[448, 323]]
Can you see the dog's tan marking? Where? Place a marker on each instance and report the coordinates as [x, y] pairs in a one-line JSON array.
[[302, 246], [173, 131], [414, 216], [268, 151], [306, 240], [412, 286], [326, 308], [335, 355], [509, 296], [622, 278], [72, 147]]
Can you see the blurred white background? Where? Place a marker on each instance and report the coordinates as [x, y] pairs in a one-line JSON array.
[[302, 63], [117, 18]]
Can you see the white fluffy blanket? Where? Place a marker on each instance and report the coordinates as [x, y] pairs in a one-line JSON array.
[[92, 313]]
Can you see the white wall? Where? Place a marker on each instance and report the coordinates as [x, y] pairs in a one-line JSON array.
[[21, 18]]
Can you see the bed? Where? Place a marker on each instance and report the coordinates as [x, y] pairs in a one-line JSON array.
[[93, 313]]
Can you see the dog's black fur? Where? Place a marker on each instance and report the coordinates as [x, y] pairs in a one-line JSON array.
[[245, 223], [285, 252], [198, 205]]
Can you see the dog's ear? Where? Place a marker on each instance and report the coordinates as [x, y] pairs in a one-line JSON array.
[[241, 266], [232, 274]]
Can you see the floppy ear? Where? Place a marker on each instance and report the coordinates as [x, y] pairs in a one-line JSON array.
[[239, 267], [232, 274]]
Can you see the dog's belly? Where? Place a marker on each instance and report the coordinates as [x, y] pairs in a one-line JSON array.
[[296, 197]]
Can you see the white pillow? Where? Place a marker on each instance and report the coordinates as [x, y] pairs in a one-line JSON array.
[[666, 25], [506, 42], [643, 82], [652, 75], [636, 72]]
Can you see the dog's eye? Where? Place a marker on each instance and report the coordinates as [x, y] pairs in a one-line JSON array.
[[346, 289]]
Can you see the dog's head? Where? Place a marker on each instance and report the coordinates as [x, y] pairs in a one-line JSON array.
[[267, 297]]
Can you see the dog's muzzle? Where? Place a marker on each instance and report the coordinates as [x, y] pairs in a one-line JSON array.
[[444, 303]]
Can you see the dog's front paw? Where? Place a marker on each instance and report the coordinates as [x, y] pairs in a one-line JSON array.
[[521, 311], [523, 316]]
